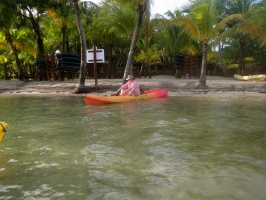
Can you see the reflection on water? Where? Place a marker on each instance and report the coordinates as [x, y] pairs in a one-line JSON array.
[[197, 147]]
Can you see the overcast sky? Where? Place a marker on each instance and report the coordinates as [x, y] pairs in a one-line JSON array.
[[162, 6]]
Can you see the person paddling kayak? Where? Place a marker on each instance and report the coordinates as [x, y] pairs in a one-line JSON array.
[[130, 88]]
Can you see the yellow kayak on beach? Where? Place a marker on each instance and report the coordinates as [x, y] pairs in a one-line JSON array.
[[3, 127], [258, 77]]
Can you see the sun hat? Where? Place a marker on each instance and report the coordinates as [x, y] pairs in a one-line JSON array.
[[130, 77]]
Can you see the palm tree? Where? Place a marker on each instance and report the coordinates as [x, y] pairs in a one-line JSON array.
[[81, 88], [4, 56], [256, 24], [128, 68], [52, 32], [113, 27], [141, 6], [219, 40], [171, 38], [200, 23], [17, 38], [238, 26], [62, 13], [178, 40], [148, 56], [20, 43], [33, 10]]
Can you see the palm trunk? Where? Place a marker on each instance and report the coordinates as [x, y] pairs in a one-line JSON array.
[[63, 32], [110, 68], [81, 88], [149, 71], [202, 80], [5, 71], [141, 69], [225, 71], [147, 26], [21, 76], [128, 68], [240, 69]]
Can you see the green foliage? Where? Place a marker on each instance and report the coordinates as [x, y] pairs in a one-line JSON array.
[[149, 56], [111, 26], [7, 13], [3, 59], [117, 20]]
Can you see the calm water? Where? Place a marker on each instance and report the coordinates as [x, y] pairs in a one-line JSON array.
[[200, 147]]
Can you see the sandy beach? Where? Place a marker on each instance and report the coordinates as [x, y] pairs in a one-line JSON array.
[[174, 85]]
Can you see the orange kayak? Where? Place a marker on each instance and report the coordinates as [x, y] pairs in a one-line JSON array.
[[100, 99]]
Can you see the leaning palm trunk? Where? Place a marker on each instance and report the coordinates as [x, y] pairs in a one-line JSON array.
[[81, 88], [128, 68], [202, 80]]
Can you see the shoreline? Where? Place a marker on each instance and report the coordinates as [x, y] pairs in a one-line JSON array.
[[175, 86]]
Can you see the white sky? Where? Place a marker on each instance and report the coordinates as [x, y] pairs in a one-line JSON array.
[[162, 6]]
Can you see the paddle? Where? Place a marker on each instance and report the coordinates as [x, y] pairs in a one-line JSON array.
[[117, 93]]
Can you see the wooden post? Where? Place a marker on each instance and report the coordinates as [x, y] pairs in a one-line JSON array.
[[53, 62], [47, 66], [92, 58], [95, 67]]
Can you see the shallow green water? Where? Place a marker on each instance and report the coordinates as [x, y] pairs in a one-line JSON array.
[[199, 147]]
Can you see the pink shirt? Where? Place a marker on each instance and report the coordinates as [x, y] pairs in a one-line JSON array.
[[133, 85], [130, 85]]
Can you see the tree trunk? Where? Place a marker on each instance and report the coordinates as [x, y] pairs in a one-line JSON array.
[[141, 69], [128, 68], [147, 26], [81, 88], [21, 76], [63, 32], [145, 69], [202, 80], [149, 66], [37, 30], [215, 68], [240, 69], [5, 71], [67, 45], [110, 68], [225, 71]]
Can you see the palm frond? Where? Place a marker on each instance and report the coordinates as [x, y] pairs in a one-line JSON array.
[[231, 18], [189, 26]]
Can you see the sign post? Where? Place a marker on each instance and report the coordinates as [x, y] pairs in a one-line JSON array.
[[95, 56]]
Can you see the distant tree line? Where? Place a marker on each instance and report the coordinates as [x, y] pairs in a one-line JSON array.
[[226, 33]]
